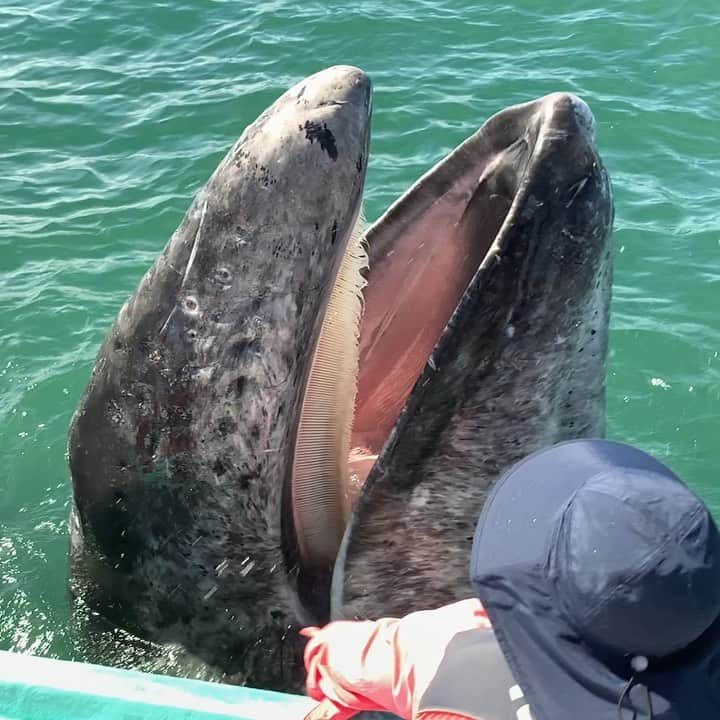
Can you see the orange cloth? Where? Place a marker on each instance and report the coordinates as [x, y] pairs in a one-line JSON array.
[[385, 664]]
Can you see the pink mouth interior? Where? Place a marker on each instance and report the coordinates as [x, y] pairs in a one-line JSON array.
[[420, 266]]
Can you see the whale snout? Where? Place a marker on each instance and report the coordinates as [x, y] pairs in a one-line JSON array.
[[567, 111], [337, 85]]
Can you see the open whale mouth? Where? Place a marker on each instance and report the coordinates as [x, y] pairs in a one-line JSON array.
[[399, 285]]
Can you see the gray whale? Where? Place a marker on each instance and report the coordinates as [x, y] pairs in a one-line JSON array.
[[295, 419]]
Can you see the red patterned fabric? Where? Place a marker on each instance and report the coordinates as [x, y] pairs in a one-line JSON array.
[[383, 665]]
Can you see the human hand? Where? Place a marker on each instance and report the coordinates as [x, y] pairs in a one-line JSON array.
[[383, 665]]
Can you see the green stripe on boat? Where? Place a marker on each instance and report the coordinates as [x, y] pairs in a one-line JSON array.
[[34, 688]]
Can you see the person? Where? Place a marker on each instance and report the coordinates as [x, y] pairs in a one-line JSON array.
[[597, 575]]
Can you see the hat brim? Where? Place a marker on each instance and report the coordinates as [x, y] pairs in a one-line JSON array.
[[563, 678]]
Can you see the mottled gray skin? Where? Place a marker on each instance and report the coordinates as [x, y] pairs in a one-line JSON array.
[[521, 365], [181, 447]]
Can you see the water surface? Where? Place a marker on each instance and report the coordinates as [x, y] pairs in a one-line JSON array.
[[113, 114]]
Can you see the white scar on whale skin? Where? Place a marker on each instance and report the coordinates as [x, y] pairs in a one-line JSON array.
[[191, 260], [196, 242]]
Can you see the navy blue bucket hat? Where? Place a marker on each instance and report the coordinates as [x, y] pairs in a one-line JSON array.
[[600, 572]]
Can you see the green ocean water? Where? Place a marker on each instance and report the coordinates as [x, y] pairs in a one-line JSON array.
[[113, 114]]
